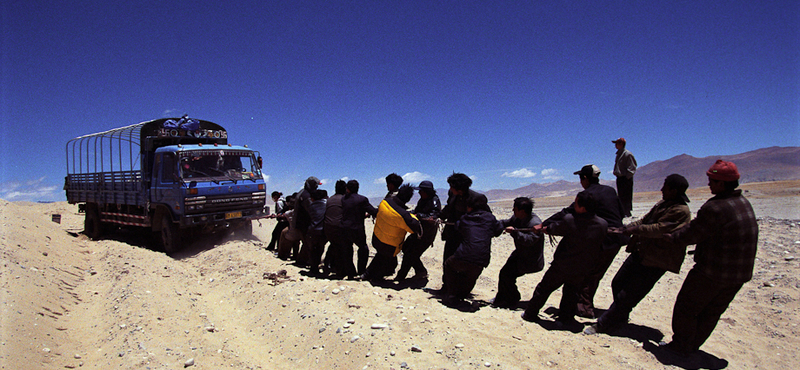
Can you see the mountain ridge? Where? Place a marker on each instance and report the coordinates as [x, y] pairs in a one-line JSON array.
[[760, 165]]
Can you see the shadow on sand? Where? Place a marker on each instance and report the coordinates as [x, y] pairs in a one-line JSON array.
[[193, 244], [697, 360]]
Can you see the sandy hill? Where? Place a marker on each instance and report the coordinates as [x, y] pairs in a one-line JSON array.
[[70, 302]]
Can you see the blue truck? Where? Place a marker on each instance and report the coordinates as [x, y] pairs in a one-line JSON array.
[[174, 176]]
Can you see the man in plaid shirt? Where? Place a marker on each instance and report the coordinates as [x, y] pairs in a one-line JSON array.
[[726, 233]]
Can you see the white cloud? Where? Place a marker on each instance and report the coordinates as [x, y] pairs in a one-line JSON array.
[[266, 177], [523, 173], [171, 113], [415, 177], [551, 174], [324, 181], [31, 191], [379, 180]]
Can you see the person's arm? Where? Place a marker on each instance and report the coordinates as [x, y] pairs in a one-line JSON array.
[[527, 239], [368, 208], [669, 221], [559, 228], [698, 229], [560, 215]]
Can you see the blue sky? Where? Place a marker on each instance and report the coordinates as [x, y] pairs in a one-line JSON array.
[[509, 93]]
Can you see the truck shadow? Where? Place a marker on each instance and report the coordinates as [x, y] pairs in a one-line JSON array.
[[192, 244]]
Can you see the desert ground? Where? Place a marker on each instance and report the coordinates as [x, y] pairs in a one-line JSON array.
[[71, 302]]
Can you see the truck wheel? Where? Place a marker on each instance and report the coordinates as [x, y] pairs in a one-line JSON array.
[[245, 230], [91, 225], [170, 235]]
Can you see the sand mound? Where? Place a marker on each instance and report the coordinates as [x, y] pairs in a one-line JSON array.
[[69, 302]]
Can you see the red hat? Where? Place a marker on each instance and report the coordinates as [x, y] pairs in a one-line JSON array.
[[620, 140], [723, 171]]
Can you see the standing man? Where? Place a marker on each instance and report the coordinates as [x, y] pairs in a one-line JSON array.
[[527, 257], [609, 208], [624, 168], [726, 234], [355, 208], [651, 255]]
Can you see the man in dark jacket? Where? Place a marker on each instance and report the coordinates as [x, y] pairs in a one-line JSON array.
[[610, 209], [583, 234], [355, 208], [427, 211], [651, 255], [391, 225], [527, 257], [302, 218], [476, 228], [624, 169], [456, 207], [316, 233], [726, 234], [333, 227]]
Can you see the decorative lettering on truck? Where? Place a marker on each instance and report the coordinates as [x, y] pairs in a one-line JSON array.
[[174, 132]]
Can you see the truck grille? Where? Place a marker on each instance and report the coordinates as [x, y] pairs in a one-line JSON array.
[[226, 203]]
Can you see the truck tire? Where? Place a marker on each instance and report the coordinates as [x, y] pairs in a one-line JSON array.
[[92, 227], [245, 230], [170, 235]]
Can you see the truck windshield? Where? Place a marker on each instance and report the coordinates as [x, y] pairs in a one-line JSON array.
[[216, 165]]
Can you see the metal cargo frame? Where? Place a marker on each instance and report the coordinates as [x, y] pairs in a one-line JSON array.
[[106, 167]]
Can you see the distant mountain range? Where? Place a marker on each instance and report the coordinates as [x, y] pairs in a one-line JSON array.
[[767, 164]]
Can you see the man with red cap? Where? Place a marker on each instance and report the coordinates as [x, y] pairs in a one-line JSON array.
[[725, 232], [624, 168]]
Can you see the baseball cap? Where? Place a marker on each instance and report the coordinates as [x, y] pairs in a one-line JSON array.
[[588, 170], [723, 171]]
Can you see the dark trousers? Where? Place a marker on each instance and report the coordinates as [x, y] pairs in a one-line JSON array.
[[630, 285], [412, 252], [554, 278], [625, 193], [359, 238], [518, 264], [698, 307], [304, 257], [384, 262], [460, 277], [588, 287], [316, 240], [451, 243], [336, 239], [414, 247], [276, 234]]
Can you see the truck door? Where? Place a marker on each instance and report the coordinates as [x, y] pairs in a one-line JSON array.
[[166, 182]]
